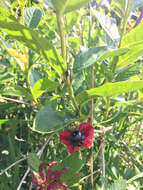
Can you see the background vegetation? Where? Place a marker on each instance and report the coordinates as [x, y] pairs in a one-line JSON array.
[[62, 63]]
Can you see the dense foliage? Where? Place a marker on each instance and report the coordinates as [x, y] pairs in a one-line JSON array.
[[63, 63]]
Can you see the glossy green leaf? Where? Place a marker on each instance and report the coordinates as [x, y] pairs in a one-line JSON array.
[[109, 89], [73, 164], [43, 85], [32, 17], [108, 24], [34, 41], [91, 55]]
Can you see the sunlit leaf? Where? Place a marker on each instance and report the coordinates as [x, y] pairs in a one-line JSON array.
[[43, 85], [134, 41], [64, 6], [92, 55], [108, 24], [109, 89], [34, 41]]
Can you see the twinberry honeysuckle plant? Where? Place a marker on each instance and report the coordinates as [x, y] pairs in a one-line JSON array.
[[77, 67]]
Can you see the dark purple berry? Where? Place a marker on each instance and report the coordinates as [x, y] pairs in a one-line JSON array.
[[77, 138]]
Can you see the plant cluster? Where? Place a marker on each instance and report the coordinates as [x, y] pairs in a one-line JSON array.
[[71, 91]]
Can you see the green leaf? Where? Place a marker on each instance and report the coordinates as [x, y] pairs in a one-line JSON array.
[[34, 76], [109, 89], [129, 71], [134, 41], [89, 57], [34, 41], [2, 121], [73, 164], [43, 85], [92, 55], [119, 185], [64, 6], [140, 175], [48, 120], [74, 4], [32, 17], [5, 77], [18, 91], [5, 4], [108, 24], [33, 161]]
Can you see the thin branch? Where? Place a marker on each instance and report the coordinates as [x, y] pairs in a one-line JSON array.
[[102, 160], [39, 153], [91, 121], [14, 100], [15, 163], [45, 144], [85, 177], [23, 178]]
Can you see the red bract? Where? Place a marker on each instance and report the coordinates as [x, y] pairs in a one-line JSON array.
[[50, 181], [80, 137]]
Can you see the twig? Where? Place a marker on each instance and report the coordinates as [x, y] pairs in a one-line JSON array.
[[85, 177], [104, 130], [23, 178], [45, 144], [13, 100], [15, 163], [103, 160], [91, 121], [39, 153]]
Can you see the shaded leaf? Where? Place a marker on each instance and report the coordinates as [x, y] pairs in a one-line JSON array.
[[32, 17], [34, 76], [48, 120], [119, 185], [33, 161], [73, 164], [140, 175]]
